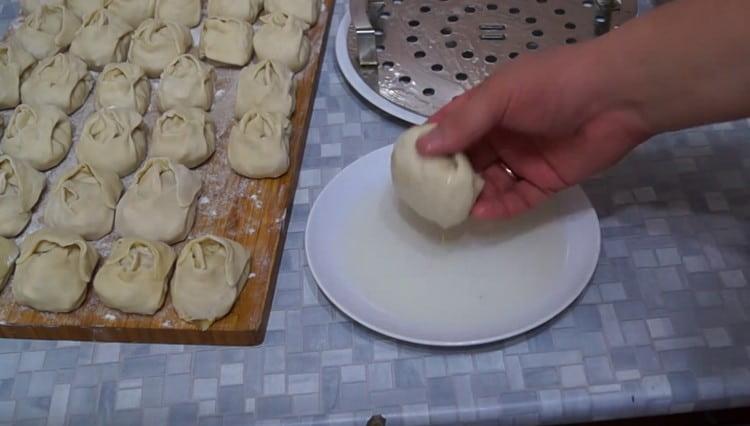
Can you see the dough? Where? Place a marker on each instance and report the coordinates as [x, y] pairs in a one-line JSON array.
[[20, 189], [266, 86], [113, 140], [259, 145], [305, 10], [134, 277], [132, 11], [61, 80], [123, 85], [210, 274], [30, 6], [185, 135], [48, 30], [241, 9], [442, 190], [185, 12], [186, 82], [156, 43], [41, 135], [103, 38], [83, 201], [8, 255], [227, 40], [15, 65], [161, 203], [53, 271], [83, 7], [282, 38]]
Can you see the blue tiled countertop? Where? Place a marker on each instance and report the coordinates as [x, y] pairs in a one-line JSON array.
[[664, 326]]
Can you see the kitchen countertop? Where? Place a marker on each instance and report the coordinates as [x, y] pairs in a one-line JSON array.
[[663, 327]]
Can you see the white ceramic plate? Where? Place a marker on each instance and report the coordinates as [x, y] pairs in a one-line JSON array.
[[392, 272]]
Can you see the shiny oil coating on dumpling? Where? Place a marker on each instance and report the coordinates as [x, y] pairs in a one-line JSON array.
[[259, 145], [83, 7], [210, 274], [123, 85], [134, 278], [266, 86], [15, 64], [185, 12], [186, 82], [20, 188], [156, 43], [103, 38], [186, 135], [305, 10], [227, 40], [246, 10], [161, 203], [114, 140], [132, 11], [282, 39], [83, 201], [8, 254], [53, 271], [61, 80], [48, 30], [41, 135]]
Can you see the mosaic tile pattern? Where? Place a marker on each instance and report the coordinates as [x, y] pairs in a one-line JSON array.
[[664, 326]]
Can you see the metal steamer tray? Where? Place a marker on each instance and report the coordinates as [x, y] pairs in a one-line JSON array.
[[410, 57]]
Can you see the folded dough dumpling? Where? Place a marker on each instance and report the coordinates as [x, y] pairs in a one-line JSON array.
[[48, 30], [132, 11], [8, 254], [227, 40], [246, 10], [210, 274], [186, 82], [20, 188], [53, 271], [185, 135], [135, 276], [61, 80], [15, 65], [83, 201], [83, 7], [282, 38], [30, 6], [306, 10], [161, 203], [185, 12], [156, 43], [41, 135], [113, 140], [266, 86], [123, 85], [103, 38], [259, 145]]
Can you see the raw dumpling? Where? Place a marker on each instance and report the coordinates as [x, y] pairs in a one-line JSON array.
[[227, 40], [83, 201], [442, 190], [185, 12], [135, 276], [61, 80], [20, 189], [113, 140], [241, 9], [282, 38], [156, 43], [210, 274], [103, 38], [132, 11], [30, 6], [15, 64], [186, 82], [123, 85], [53, 271], [266, 86], [8, 255], [83, 7], [41, 135], [306, 10], [161, 203], [185, 135], [48, 30], [259, 145]]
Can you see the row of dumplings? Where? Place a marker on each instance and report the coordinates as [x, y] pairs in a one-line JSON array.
[[53, 269]]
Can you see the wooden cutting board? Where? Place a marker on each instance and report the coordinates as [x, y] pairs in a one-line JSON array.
[[253, 212]]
